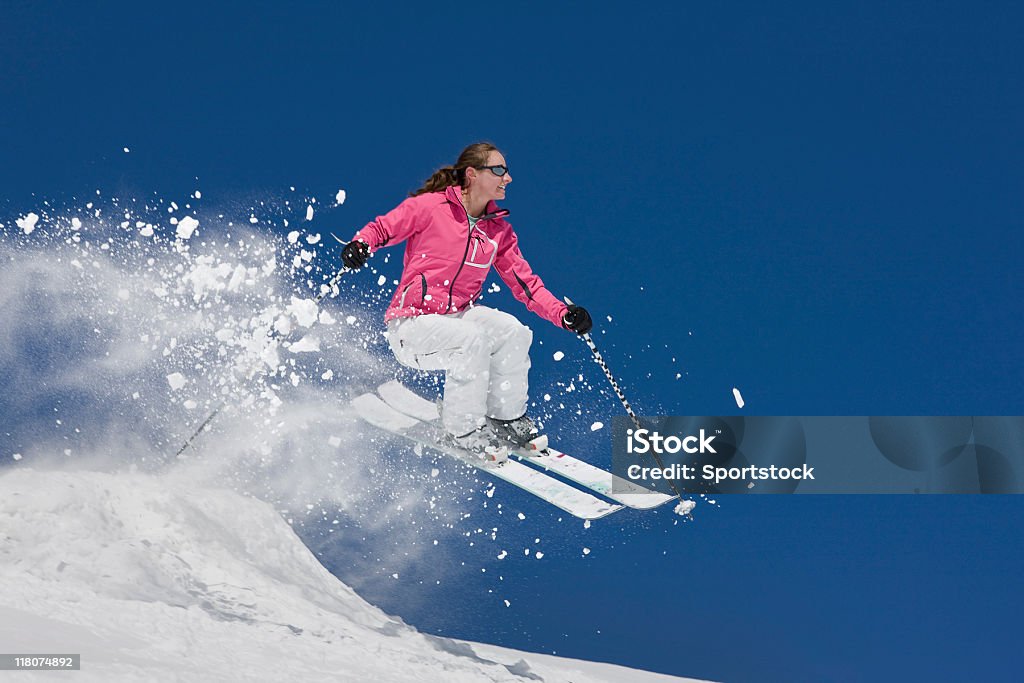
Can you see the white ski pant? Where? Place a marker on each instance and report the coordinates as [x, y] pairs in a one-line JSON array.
[[485, 354]]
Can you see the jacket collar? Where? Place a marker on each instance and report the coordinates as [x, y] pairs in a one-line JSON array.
[[453, 193]]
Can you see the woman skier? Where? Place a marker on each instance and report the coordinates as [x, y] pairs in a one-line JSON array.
[[455, 232]]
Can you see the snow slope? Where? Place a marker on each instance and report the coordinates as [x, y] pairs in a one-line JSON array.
[[157, 578]]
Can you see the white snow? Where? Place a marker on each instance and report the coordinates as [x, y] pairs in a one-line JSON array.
[[685, 507], [293, 237], [162, 578], [28, 223], [307, 344], [309, 212], [737, 396], [237, 278], [176, 380], [558, 355], [76, 223], [186, 226], [339, 198], [304, 310], [312, 239], [596, 426], [381, 280], [283, 325]]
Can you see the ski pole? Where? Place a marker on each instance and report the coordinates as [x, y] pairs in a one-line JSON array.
[[608, 373], [271, 334], [622, 397]]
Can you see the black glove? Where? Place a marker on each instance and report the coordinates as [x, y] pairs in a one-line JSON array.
[[577, 320], [354, 254]]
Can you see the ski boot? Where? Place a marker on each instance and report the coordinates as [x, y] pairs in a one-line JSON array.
[[520, 432], [483, 443]]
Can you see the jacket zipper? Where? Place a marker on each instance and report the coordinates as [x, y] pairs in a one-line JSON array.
[[462, 264], [500, 213]]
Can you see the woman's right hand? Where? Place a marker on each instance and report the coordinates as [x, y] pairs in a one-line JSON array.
[[354, 254]]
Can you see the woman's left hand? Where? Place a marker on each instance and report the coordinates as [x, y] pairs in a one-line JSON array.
[[577, 320]]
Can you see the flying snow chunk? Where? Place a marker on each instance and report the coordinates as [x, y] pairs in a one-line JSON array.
[[313, 239], [558, 355], [334, 441], [339, 198], [304, 310], [736, 395], [237, 278], [186, 226], [197, 194], [16, 456], [190, 404], [521, 516], [309, 212], [293, 237], [326, 318], [283, 325], [596, 426], [685, 507], [305, 345], [76, 224], [28, 223], [381, 280], [586, 551], [176, 380], [126, 150], [147, 231]]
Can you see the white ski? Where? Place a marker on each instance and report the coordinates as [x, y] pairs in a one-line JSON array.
[[577, 503], [594, 478]]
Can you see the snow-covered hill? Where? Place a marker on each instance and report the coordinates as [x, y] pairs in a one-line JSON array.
[[154, 578]]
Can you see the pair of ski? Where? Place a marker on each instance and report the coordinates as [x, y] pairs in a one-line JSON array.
[[401, 411]]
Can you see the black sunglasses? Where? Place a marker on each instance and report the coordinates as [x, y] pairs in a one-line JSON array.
[[498, 170]]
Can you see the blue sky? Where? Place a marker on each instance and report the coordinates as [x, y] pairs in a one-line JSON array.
[[818, 204]]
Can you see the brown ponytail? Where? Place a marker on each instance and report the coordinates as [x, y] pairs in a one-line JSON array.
[[446, 176]]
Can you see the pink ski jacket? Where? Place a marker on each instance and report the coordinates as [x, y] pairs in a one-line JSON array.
[[446, 262]]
